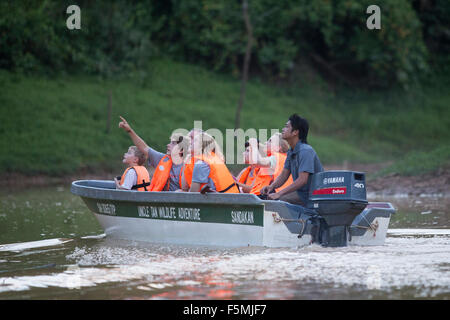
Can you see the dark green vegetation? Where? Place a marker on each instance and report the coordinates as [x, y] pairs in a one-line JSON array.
[[119, 37], [370, 95]]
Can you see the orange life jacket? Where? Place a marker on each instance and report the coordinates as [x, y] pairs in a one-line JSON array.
[[161, 174], [281, 158], [188, 169], [160, 179], [219, 173], [142, 181], [257, 181]]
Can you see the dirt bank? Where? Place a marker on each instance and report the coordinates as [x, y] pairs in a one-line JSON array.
[[431, 183], [17, 181], [392, 184]]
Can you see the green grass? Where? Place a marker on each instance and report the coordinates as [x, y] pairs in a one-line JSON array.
[[57, 126]]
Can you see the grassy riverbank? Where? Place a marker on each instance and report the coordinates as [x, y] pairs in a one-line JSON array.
[[58, 125]]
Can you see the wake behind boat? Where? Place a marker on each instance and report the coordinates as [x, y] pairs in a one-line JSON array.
[[337, 214]]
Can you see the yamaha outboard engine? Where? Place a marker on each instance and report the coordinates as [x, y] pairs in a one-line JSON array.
[[338, 197]]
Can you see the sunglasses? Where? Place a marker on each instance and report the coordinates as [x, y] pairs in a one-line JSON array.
[[180, 139]]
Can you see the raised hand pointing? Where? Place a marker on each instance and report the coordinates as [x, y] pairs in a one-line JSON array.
[[124, 124]]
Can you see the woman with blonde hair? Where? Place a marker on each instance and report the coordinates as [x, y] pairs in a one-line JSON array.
[[210, 172], [249, 179]]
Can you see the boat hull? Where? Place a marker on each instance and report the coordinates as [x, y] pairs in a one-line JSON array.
[[181, 232], [232, 220]]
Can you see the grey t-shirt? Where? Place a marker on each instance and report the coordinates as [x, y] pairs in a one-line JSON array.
[[200, 174], [154, 157], [303, 158]]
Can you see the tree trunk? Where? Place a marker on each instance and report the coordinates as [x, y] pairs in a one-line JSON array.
[[248, 52], [108, 111]]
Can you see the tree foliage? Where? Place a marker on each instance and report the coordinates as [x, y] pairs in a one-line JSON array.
[[113, 37], [122, 36]]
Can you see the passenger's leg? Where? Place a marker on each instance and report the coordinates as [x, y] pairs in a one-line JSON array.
[[293, 198]]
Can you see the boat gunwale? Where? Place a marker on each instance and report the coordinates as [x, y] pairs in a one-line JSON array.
[[181, 197], [105, 193]]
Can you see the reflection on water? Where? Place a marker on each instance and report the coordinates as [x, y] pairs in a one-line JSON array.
[[64, 260]]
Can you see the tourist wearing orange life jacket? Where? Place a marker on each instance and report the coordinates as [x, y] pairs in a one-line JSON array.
[[276, 148], [167, 174], [268, 162], [188, 168], [210, 171], [252, 179], [186, 173], [189, 163], [136, 175]]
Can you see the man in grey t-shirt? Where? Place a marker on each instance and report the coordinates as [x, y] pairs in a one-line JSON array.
[[301, 161], [154, 157]]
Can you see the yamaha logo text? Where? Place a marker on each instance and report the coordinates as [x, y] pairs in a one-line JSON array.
[[333, 180]]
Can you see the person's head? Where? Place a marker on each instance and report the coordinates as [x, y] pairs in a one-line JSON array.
[[178, 146], [246, 153], [134, 156], [276, 144], [192, 134], [205, 144], [296, 127]]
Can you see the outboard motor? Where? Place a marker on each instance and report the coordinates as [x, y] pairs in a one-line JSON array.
[[338, 197]]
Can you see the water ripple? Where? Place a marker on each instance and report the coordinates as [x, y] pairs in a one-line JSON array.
[[420, 262]]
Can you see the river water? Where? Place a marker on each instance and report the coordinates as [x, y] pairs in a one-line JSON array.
[[52, 247]]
